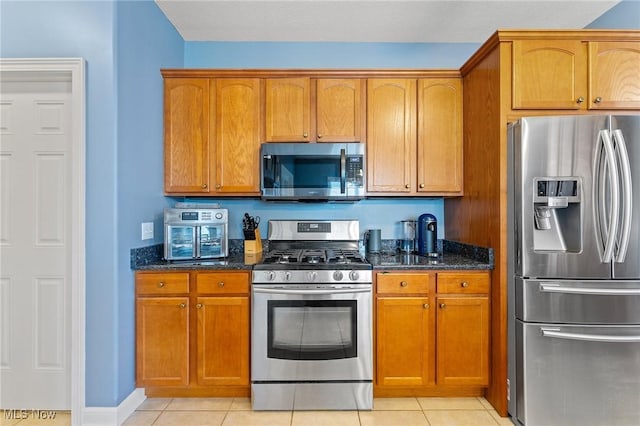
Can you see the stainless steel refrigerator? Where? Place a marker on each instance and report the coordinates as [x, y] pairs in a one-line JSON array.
[[574, 270]]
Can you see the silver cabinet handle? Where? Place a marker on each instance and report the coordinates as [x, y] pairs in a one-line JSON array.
[[464, 284], [221, 284], [580, 100], [199, 306], [161, 284], [182, 305], [597, 100], [403, 284], [556, 333]]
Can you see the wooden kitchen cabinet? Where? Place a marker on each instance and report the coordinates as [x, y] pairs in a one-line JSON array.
[[405, 331], [236, 134], [414, 137], [340, 110], [439, 136], [314, 110], [391, 136], [557, 74], [432, 333], [463, 328], [193, 340], [223, 340], [162, 329], [213, 132], [614, 75], [186, 135]]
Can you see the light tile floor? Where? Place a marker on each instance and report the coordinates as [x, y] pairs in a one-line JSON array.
[[237, 412]]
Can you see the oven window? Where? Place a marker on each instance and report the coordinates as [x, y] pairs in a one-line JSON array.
[[312, 330]]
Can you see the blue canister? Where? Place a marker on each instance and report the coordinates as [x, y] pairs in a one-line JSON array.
[[427, 235]]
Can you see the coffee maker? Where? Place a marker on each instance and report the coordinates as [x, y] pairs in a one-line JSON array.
[[427, 235]]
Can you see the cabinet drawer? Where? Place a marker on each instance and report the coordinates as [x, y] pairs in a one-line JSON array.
[[162, 283], [222, 283], [460, 283], [399, 283]]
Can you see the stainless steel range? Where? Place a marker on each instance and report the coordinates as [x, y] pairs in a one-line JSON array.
[[311, 332]]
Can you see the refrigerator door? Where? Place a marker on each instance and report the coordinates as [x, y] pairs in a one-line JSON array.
[[625, 131], [578, 375], [555, 197]]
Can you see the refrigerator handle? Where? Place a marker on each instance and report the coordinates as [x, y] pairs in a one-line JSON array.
[[556, 333], [610, 224], [627, 195]]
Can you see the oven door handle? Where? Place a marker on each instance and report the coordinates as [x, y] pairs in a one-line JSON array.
[[307, 292]]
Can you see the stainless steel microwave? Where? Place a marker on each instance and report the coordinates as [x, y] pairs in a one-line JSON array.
[[195, 233], [313, 171]]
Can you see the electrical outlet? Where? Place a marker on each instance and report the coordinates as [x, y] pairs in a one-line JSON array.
[[147, 230]]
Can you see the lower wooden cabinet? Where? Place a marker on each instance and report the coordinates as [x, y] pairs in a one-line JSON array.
[[223, 340], [192, 333], [162, 341], [432, 333]]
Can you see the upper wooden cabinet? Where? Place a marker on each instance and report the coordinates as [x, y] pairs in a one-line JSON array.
[[186, 135], [236, 134], [575, 74], [414, 136], [614, 75], [440, 136], [287, 110], [340, 110], [391, 135], [314, 110], [213, 131]]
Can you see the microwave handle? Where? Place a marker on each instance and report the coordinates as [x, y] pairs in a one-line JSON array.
[[343, 171]]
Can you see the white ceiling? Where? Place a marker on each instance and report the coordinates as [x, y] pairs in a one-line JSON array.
[[421, 21]]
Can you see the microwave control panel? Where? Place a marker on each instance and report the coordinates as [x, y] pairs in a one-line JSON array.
[[355, 169]]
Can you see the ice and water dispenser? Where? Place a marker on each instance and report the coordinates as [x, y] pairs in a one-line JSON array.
[[557, 215]]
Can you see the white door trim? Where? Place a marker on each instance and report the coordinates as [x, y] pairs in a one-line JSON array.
[[45, 68]]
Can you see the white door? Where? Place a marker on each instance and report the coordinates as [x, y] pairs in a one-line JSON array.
[[35, 243]]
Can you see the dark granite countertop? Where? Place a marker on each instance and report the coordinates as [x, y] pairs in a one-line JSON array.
[[452, 255]]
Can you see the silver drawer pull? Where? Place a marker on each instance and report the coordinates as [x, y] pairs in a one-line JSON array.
[[556, 333], [556, 288]]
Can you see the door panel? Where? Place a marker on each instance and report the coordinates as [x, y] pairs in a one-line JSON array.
[[35, 242], [551, 149], [630, 128]]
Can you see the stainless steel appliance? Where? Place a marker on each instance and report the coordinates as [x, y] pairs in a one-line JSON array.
[[574, 270], [313, 171], [195, 233], [311, 334]]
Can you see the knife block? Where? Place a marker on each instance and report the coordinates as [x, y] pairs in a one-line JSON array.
[[253, 246]]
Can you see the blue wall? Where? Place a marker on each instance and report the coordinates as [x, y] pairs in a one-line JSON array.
[[125, 43], [146, 42], [625, 15]]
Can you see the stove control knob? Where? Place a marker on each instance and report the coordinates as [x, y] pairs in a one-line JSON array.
[[312, 275], [287, 276], [337, 275], [271, 275], [353, 275]]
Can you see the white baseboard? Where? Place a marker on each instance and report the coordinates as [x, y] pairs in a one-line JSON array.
[[113, 416]]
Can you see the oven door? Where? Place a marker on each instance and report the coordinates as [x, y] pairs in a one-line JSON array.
[[302, 333], [212, 241]]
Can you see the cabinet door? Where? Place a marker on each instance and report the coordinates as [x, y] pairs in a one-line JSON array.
[[405, 343], [186, 135], [223, 340], [440, 136], [287, 115], [463, 341], [391, 135], [237, 135], [614, 75], [549, 74], [162, 341], [339, 110]]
